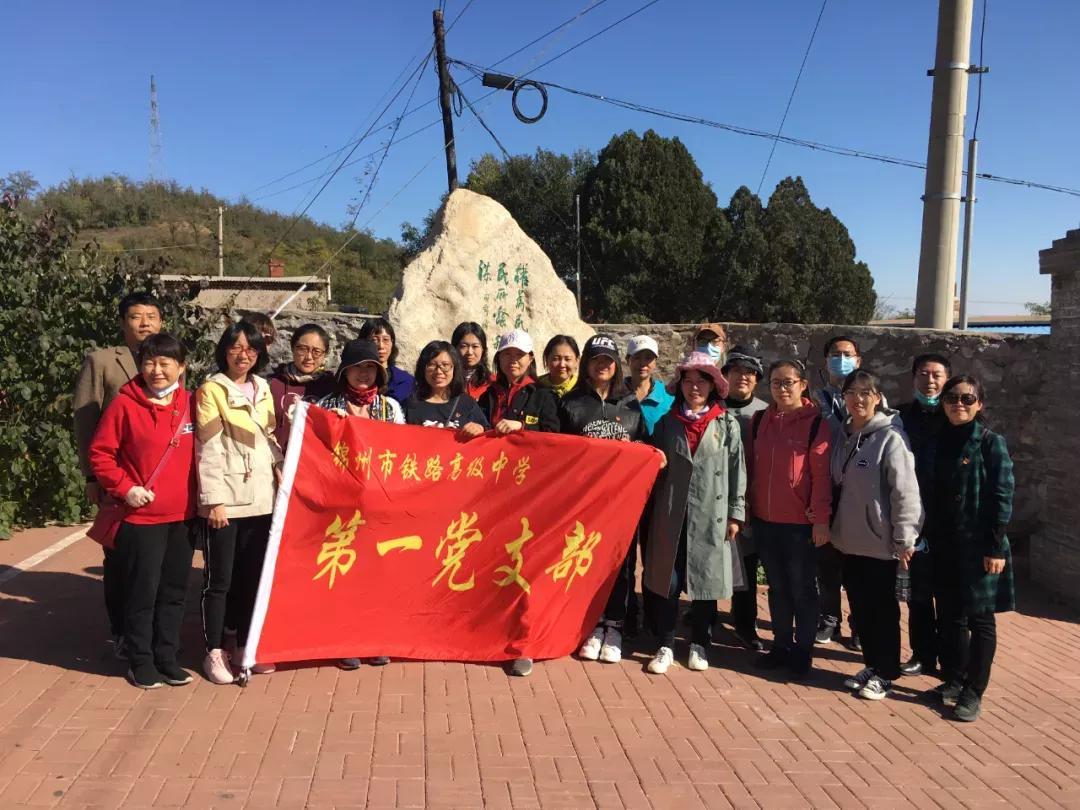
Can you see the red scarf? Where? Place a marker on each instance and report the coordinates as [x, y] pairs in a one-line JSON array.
[[695, 428], [503, 398], [361, 399]]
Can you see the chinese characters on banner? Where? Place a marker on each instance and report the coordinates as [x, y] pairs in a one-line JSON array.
[[402, 541], [505, 308]]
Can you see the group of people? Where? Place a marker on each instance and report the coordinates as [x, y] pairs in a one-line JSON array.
[[825, 489]]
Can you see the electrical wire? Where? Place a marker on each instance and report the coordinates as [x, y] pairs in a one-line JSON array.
[[458, 17], [138, 250], [978, 96], [791, 98]]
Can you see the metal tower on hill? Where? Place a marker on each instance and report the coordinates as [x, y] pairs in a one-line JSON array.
[[156, 169]]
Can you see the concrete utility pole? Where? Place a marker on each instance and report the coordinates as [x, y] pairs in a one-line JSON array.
[[221, 240], [944, 167], [444, 100]]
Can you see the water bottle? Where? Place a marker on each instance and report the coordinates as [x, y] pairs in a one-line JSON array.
[[903, 583]]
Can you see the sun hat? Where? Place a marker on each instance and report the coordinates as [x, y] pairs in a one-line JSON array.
[[703, 364], [356, 353]]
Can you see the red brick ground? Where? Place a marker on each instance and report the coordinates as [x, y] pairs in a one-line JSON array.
[[574, 735]]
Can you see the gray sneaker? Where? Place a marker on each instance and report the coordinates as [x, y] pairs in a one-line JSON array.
[[522, 667], [950, 693], [859, 679]]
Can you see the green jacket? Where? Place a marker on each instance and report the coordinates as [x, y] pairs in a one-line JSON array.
[[703, 493], [969, 511]]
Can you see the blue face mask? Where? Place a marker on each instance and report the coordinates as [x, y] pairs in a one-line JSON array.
[[841, 366], [716, 354], [926, 401]]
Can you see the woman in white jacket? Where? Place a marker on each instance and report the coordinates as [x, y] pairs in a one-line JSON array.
[[876, 521]]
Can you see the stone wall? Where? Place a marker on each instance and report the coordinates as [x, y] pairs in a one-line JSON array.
[[1013, 367]]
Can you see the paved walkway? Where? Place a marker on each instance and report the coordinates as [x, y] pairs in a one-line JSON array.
[[574, 735]]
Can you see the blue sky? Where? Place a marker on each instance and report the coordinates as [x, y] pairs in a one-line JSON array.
[[250, 91]]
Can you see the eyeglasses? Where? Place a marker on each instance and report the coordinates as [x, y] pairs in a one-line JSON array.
[[306, 351], [967, 400], [236, 351], [787, 385], [854, 393], [443, 367]]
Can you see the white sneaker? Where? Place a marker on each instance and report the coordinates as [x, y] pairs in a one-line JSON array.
[[216, 667], [590, 650], [698, 661], [257, 669], [661, 661], [876, 689], [859, 679], [611, 652]]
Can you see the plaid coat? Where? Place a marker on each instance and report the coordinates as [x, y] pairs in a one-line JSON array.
[[979, 493]]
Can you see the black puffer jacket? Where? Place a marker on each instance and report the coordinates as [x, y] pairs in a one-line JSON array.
[[532, 405], [583, 413]]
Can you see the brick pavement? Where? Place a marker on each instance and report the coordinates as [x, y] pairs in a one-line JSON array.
[[574, 735]]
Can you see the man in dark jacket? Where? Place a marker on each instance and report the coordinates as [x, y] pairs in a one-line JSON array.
[[743, 372], [923, 420]]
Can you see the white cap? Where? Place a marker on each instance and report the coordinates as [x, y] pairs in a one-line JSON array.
[[641, 343], [517, 339]]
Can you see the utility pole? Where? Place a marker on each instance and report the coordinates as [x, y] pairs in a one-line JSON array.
[[944, 167], [969, 222], [577, 221], [444, 100], [221, 240]]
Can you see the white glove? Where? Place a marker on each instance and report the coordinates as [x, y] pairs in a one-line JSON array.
[[138, 496]]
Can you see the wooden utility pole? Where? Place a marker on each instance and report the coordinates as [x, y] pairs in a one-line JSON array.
[[444, 100], [221, 240]]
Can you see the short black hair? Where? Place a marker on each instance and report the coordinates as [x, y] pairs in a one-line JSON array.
[[162, 345], [429, 353], [310, 329], [373, 327], [138, 299], [930, 357], [558, 341], [229, 338], [864, 376], [961, 379], [840, 339], [480, 374]]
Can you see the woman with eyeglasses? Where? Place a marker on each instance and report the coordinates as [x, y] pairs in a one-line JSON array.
[[877, 518], [791, 502], [238, 462], [968, 512], [470, 340], [305, 379], [440, 399]]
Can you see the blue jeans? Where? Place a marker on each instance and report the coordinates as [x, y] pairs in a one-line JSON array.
[[790, 560]]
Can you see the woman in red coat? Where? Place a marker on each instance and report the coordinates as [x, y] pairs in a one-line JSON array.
[[143, 454]]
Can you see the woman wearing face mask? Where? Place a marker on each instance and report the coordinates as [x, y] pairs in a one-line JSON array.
[[600, 407], [875, 526], [561, 360], [304, 379], [238, 462], [470, 340], [791, 502], [711, 339], [361, 393], [697, 509], [379, 331], [968, 512], [440, 399], [143, 454]]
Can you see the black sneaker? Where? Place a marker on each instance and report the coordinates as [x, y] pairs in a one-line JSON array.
[[950, 692], [800, 665], [145, 676], [827, 633], [349, 663], [913, 667], [776, 658], [853, 643], [968, 706], [750, 640], [521, 667], [379, 661], [120, 650], [174, 675]]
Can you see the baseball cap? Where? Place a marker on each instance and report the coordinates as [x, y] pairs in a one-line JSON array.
[[516, 339], [641, 343], [600, 345]]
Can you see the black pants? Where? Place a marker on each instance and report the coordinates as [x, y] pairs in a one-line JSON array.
[[830, 568], [234, 559], [968, 644], [615, 611], [155, 562], [871, 585], [112, 578], [744, 603], [788, 554], [702, 611], [922, 617]]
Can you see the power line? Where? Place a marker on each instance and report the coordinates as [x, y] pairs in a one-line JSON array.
[[459, 16], [138, 250], [791, 98]]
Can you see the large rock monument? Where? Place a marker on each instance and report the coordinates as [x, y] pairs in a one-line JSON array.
[[478, 265]]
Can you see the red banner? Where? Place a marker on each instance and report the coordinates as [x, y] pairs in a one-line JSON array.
[[403, 541]]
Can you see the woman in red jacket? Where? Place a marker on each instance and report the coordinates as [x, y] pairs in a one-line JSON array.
[[791, 501], [143, 454]]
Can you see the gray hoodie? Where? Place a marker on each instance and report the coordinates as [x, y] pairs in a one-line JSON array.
[[879, 511]]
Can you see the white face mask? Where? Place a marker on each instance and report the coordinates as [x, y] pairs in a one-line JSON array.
[[164, 392]]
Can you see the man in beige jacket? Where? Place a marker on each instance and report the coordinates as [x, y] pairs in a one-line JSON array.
[[104, 372]]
